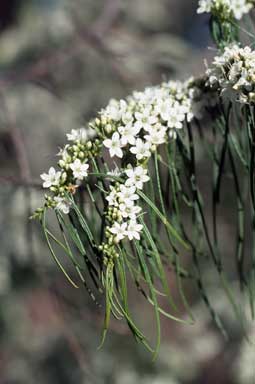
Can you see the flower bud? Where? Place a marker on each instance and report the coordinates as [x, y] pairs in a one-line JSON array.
[[63, 177], [116, 241], [108, 128], [61, 163], [89, 145]]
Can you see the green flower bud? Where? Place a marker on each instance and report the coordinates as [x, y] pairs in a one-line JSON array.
[[119, 217], [63, 177], [108, 129], [62, 190], [153, 148], [116, 241], [103, 121], [89, 145]]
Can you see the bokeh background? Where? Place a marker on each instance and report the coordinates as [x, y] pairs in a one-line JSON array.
[[60, 62]]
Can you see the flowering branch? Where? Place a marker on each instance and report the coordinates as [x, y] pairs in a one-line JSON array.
[[140, 156]]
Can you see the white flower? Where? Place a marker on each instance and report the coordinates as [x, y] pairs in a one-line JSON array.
[[114, 110], [63, 152], [62, 204], [119, 230], [73, 135], [235, 70], [129, 209], [205, 6], [176, 116], [133, 230], [146, 97], [91, 132], [112, 198], [194, 104], [114, 144], [145, 118], [128, 133], [240, 8], [52, 178], [79, 169], [136, 177], [65, 156], [127, 193], [156, 135], [237, 8], [162, 108], [115, 172], [141, 149], [127, 117], [82, 134], [234, 73]]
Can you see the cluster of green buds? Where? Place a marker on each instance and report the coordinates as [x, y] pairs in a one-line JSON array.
[[109, 251]]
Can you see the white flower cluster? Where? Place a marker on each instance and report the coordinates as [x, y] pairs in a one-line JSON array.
[[73, 168], [233, 73], [122, 211], [149, 118], [226, 8], [130, 131]]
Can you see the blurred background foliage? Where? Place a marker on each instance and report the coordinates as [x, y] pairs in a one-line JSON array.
[[60, 62]]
